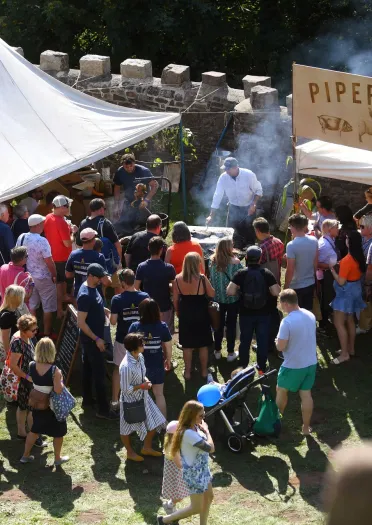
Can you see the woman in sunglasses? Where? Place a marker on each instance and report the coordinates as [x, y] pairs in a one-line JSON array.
[[22, 353]]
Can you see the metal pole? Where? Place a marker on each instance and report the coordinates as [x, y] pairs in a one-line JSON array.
[[294, 142], [183, 175]]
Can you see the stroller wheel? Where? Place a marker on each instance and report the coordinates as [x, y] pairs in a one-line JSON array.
[[235, 443]]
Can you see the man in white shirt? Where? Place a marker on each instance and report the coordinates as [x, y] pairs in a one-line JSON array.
[[297, 340], [41, 266], [243, 191], [33, 199]]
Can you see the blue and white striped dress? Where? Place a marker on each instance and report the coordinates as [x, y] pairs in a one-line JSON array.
[[132, 372]]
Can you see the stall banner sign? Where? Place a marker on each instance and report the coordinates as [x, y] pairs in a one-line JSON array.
[[332, 106]]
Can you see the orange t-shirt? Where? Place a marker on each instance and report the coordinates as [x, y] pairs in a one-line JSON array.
[[180, 250], [349, 269], [56, 231]]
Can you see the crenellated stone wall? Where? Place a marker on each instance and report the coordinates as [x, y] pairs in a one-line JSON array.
[[259, 133]]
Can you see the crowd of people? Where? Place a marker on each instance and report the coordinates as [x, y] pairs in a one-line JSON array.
[[48, 262]]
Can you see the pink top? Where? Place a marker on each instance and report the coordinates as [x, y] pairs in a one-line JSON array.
[[11, 274]]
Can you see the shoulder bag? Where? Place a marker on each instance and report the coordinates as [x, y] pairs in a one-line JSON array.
[[61, 404], [135, 412], [9, 381], [213, 309]]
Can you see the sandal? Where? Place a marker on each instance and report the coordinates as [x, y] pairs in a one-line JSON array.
[[336, 361], [339, 352]]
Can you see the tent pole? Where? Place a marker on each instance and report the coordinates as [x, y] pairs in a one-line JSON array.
[[183, 175], [294, 143]]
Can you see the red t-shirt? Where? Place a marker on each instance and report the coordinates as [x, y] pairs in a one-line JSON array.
[[179, 251], [56, 231]]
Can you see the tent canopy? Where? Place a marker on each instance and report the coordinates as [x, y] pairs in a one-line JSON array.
[[48, 129], [323, 159]]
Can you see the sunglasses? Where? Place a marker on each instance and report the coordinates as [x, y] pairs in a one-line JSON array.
[[362, 226]]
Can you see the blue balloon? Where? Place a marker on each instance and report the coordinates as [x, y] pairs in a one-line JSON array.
[[209, 395]]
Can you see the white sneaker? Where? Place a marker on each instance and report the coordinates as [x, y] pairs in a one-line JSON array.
[[360, 331], [231, 357], [217, 355], [168, 506]]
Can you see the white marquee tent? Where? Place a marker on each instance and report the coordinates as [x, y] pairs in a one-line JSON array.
[[48, 129], [323, 159]]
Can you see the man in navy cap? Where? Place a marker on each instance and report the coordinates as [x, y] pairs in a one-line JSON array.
[[258, 290], [243, 191], [91, 321]]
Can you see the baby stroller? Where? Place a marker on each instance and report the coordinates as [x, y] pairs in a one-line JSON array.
[[233, 410]]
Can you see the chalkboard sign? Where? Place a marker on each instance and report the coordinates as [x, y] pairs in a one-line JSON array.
[[68, 343]]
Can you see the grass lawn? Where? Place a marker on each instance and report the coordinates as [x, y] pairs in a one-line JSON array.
[[271, 482]]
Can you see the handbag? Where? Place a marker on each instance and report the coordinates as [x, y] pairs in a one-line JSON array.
[[213, 309], [38, 400], [9, 381], [61, 404], [135, 412], [268, 422]]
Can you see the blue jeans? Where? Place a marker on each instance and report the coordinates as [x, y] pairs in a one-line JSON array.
[[260, 324], [228, 316], [94, 368]]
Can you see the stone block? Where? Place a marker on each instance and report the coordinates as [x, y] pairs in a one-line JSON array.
[[214, 78], [289, 104], [266, 98], [136, 68], [250, 81], [95, 66], [54, 61], [19, 50], [175, 75]]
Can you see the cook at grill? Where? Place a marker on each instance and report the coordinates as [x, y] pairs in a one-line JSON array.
[[243, 191]]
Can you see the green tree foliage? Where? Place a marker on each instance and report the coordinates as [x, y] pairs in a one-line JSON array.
[[240, 37]]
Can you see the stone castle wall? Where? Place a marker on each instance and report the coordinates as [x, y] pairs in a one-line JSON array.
[[258, 134]]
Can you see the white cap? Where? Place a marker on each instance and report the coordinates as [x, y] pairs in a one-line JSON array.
[[61, 200], [35, 219]]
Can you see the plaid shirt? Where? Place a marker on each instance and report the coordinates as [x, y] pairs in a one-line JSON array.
[[274, 248]]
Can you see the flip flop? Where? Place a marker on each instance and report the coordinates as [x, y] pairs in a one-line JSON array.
[[135, 458], [336, 361], [339, 352], [151, 452]]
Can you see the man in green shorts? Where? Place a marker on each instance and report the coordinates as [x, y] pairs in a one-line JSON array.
[[297, 340]]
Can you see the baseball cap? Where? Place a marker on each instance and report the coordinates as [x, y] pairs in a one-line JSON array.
[[97, 270], [254, 253], [172, 427], [230, 162], [88, 234], [60, 201], [35, 219]]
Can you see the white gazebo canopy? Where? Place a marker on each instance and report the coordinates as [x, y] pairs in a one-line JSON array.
[[323, 159], [48, 129]]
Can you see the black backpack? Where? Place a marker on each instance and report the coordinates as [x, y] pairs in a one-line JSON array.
[[254, 293]]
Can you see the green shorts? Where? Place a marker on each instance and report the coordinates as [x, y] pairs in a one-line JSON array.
[[295, 379]]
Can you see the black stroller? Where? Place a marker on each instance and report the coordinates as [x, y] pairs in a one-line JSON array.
[[233, 410]]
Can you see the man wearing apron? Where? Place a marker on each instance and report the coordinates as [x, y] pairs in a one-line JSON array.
[[243, 191]]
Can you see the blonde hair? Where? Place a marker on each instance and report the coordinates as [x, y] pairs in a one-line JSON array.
[[187, 418], [223, 253], [191, 267], [328, 224], [45, 351], [13, 298], [26, 322]]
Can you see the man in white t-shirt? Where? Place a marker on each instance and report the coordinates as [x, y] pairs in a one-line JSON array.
[[297, 340], [41, 266]]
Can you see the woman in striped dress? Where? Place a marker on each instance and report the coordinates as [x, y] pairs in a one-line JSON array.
[[135, 386]]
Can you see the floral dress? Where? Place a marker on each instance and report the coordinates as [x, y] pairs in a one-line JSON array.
[[132, 373], [19, 346], [196, 474]]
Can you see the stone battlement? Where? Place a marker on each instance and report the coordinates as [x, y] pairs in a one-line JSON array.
[[136, 86]]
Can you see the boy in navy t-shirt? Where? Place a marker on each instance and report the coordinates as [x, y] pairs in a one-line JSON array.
[[79, 260], [124, 312]]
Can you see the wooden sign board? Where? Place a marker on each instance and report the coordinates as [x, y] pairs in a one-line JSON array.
[[68, 344]]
